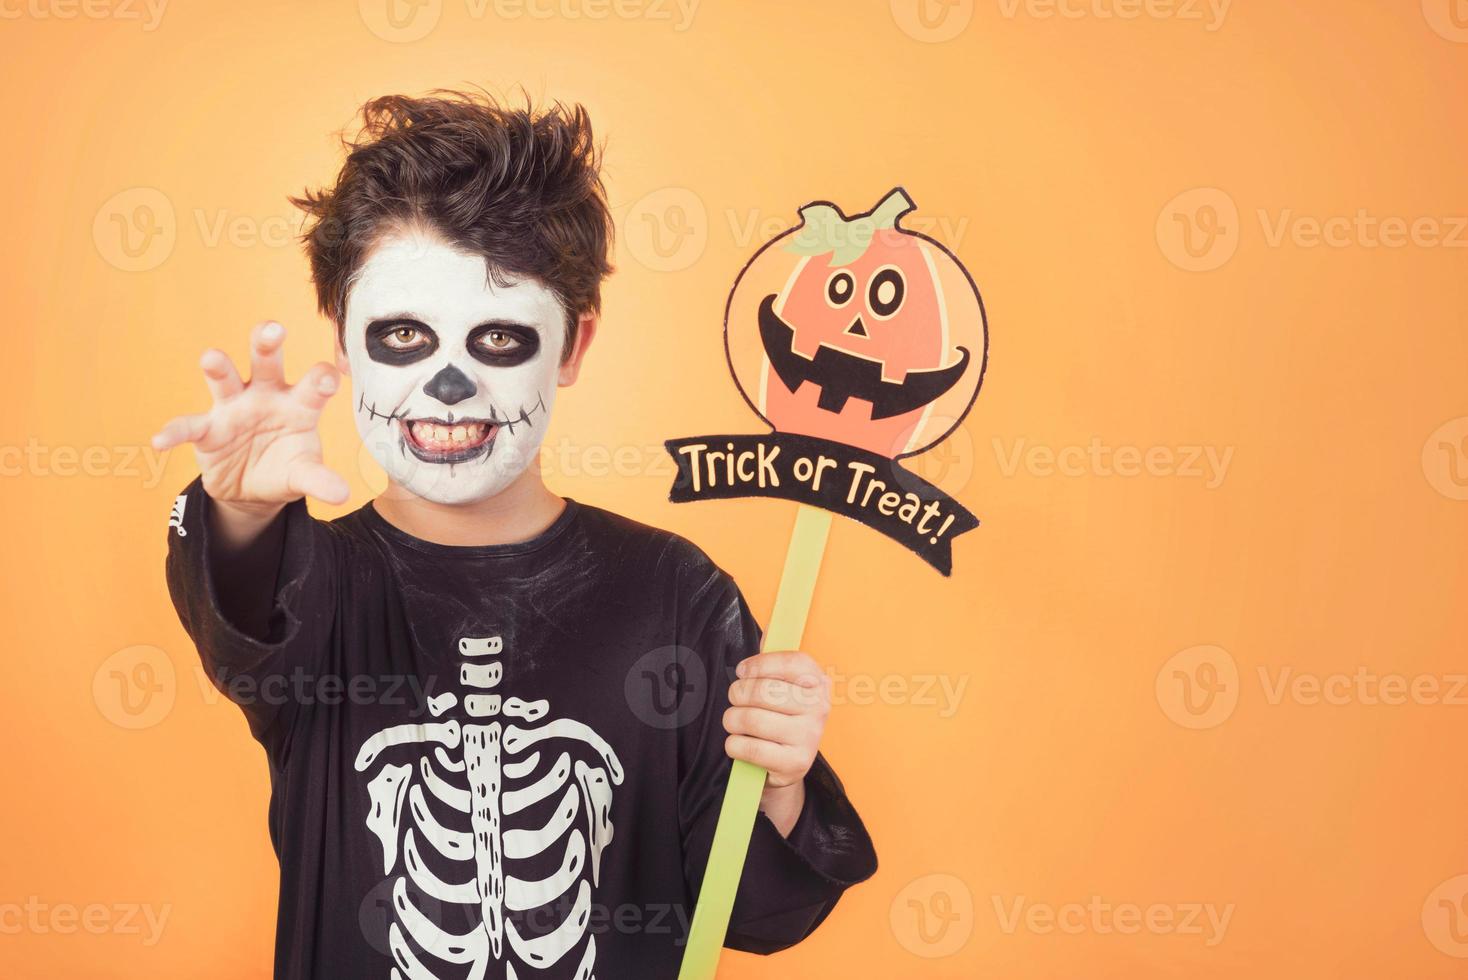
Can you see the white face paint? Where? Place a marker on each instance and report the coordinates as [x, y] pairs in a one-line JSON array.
[[454, 376]]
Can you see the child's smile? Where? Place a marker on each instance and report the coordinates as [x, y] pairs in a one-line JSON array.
[[448, 440]]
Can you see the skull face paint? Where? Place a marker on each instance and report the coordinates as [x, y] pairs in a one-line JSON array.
[[454, 375]]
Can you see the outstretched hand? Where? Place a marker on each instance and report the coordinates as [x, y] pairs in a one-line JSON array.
[[258, 446]]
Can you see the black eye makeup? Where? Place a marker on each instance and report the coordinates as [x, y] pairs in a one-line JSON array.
[[503, 343], [400, 340]]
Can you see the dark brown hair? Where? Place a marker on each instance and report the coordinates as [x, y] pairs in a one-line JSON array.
[[518, 186]]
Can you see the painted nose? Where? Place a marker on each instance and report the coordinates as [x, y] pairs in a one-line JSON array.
[[450, 386]]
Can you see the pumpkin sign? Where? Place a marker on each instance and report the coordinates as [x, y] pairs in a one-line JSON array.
[[858, 331], [859, 342]]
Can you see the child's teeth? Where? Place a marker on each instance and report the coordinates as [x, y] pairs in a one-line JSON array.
[[438, 435]]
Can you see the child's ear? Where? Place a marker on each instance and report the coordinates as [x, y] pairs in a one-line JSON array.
[[571, 364], [342, 364]]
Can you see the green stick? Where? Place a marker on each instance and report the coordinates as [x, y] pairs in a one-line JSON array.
[[747, 782]]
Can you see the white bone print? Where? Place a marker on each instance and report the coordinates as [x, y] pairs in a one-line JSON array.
[[175, 516], [488, 771]]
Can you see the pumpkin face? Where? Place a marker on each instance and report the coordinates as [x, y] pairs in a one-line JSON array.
[[864, 333]]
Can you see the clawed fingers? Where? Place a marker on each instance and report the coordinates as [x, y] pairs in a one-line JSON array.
[[267, 357], [185, 428], [220, 375], [319, 481], [316, 388]]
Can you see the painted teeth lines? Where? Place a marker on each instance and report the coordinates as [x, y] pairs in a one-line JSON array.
[[509, 422], [524, 418], [372, 411]]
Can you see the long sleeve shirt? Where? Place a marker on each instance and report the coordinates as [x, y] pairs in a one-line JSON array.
[[497, 761]]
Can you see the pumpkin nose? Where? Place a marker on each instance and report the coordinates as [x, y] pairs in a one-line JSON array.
[[450, 386], [856, 328]]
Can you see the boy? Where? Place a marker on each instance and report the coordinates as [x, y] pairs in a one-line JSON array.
[[451, 684]]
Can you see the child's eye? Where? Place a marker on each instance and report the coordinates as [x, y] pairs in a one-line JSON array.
[[400, 341], [405, 338], [503, 344]]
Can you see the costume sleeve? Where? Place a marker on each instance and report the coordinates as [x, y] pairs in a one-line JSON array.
[[263, 621], [791, 884]]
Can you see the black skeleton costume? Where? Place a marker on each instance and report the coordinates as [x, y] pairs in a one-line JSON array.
[[488, 762], [497, 761]]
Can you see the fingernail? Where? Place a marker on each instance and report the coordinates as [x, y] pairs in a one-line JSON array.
[[327, 385], [271, 331], [740, 670]]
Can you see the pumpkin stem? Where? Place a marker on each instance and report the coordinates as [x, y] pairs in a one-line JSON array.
[[824, 230], [892, 207]]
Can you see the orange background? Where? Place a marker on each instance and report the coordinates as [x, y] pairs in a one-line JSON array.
[[1079, 760]]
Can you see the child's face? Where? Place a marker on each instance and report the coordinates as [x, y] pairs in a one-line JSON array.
[[454, 376]]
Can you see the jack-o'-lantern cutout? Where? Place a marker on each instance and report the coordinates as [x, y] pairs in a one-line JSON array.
[[858, 331]]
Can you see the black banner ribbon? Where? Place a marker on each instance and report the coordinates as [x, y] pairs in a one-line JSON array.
[[861, 485]]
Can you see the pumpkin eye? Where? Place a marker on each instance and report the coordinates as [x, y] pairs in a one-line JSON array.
[[840, 288], [886, 291]]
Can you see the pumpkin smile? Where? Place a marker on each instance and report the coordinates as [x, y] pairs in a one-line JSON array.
[[842, 375]]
